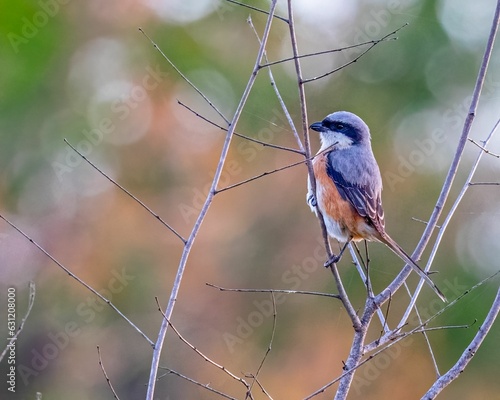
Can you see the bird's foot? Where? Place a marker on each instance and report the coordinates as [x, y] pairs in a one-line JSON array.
[[333, 260]]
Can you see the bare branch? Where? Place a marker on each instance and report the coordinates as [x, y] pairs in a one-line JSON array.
[[208, 201], [222, 289], [278, 95], [185, 78], [126, 191], [484, 149], [259, 176], [71, 274], [257, 9], [195, 349], [263, 389], [484, 183], [373, 44], [255, 377], [206, 386], [250, 139], [106, 375], [318, 53], [361, 272]]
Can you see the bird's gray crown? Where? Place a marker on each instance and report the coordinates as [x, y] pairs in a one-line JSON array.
[[343, 123]]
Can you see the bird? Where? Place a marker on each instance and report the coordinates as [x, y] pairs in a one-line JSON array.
[[349, 187]]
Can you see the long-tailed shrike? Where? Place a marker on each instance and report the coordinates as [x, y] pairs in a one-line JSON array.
[[349, 187]]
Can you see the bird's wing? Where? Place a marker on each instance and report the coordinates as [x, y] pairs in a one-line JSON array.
[[363, 198]]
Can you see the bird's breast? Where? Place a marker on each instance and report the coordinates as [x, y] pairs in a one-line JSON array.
[[342, 220]]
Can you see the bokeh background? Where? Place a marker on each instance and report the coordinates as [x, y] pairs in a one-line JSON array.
[[83, 71]]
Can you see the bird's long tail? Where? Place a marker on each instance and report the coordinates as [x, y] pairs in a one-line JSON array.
[[389, 242]]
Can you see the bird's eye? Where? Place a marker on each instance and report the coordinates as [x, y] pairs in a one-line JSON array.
[[338, 126]]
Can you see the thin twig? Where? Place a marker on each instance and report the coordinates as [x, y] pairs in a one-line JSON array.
[[262, 388], [257, 9], [441, 328], [203, 212], [483, 148], [197, 351], [184, 77], [361, 272], [31, 302], [354, 60], [126, 191], [222, 289], [206, 386], [270, 172], [330, 51], [250, 139], [253, 178], [424, 222], [424, 333], [278, 95], [106, 375], [81, 282], [255, 377]]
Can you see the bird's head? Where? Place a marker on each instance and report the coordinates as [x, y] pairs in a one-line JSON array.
[[342, 130]]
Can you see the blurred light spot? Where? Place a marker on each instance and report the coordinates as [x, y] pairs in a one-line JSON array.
[[447, 74], [123, 110], [325, 14], [466, 21], [477, 241], [93, 65], [422, 143], [385, 64], [182, 11]]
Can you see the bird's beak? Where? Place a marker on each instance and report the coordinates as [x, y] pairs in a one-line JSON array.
[[317, 126]]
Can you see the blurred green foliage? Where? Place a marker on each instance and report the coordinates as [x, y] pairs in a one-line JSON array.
[[67, 67]]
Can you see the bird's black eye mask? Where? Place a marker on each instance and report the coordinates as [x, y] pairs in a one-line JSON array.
[[341, 127]]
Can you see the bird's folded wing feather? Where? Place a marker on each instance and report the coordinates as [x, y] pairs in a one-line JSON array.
[[362, 197]]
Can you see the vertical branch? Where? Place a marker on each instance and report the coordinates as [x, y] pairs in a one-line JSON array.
[[307, 146], [190, 241]]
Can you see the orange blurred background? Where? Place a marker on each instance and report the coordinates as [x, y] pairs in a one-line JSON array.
[[83, 72]]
